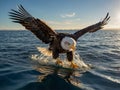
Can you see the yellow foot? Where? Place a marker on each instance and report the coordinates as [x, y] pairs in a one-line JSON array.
[[73, 65], [58, 62]]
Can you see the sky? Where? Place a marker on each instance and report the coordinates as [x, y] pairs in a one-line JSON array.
[[63, 14]]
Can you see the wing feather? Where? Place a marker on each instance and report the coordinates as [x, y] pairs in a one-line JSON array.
[[36, 26], [92, 28]]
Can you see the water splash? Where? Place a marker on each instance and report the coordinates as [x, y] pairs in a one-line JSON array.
[[44, 58], [47, 65]]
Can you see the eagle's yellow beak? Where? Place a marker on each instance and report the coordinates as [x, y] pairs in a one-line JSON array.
[[72, 47]]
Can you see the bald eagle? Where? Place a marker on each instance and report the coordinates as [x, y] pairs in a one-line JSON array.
[[58, 42]]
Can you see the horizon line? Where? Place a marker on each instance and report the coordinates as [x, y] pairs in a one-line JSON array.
[[59, 29]]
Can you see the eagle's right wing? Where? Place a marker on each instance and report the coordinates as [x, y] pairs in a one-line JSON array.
[[36, 26], [92, 28]]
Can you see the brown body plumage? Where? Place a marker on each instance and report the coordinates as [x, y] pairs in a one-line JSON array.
[[49, 36]]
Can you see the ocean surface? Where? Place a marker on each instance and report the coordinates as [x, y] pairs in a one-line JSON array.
[[100, 49]]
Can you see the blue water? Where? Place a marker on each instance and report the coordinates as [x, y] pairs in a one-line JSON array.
[[17, 72]]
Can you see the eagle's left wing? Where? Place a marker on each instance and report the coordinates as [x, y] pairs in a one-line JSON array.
[[36, 26], [92, 28]]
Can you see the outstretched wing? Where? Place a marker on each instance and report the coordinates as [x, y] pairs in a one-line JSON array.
[[92, 28], [36, 26]]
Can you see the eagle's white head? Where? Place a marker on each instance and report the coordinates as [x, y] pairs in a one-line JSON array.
[[68, 43]]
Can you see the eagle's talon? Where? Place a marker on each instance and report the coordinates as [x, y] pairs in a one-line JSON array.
[[73, 65], [59, 62]]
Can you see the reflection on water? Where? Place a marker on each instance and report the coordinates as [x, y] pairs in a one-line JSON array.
[[46, 65], [51, 82], [53, 77]]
